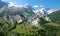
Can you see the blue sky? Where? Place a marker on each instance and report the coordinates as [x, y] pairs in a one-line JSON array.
[[46, 3]]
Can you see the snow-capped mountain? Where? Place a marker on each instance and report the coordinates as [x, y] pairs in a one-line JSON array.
[[41, 11], [44, 11], [52, 10], [21, 9], [11, 4], [26, 12]]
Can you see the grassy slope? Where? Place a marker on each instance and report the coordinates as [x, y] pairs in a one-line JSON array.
[[55, 16], [24, 28]]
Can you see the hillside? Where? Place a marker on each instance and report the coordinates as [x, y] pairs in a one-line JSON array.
[[24, 20], [55, 16]]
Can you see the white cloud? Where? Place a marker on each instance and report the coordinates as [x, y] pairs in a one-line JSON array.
[[41, 6], [36, 6], [10, 4]]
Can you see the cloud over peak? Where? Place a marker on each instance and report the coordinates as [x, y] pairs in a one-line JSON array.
[[10, 4], [35, 6]]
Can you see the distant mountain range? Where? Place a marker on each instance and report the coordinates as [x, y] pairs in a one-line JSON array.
[[3, 4], [25, 10]]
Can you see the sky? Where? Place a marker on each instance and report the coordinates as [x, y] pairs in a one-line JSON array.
[[54, 4]]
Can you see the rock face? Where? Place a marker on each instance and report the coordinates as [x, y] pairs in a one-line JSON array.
[[18, 18], [47, 18], [35, 22]]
